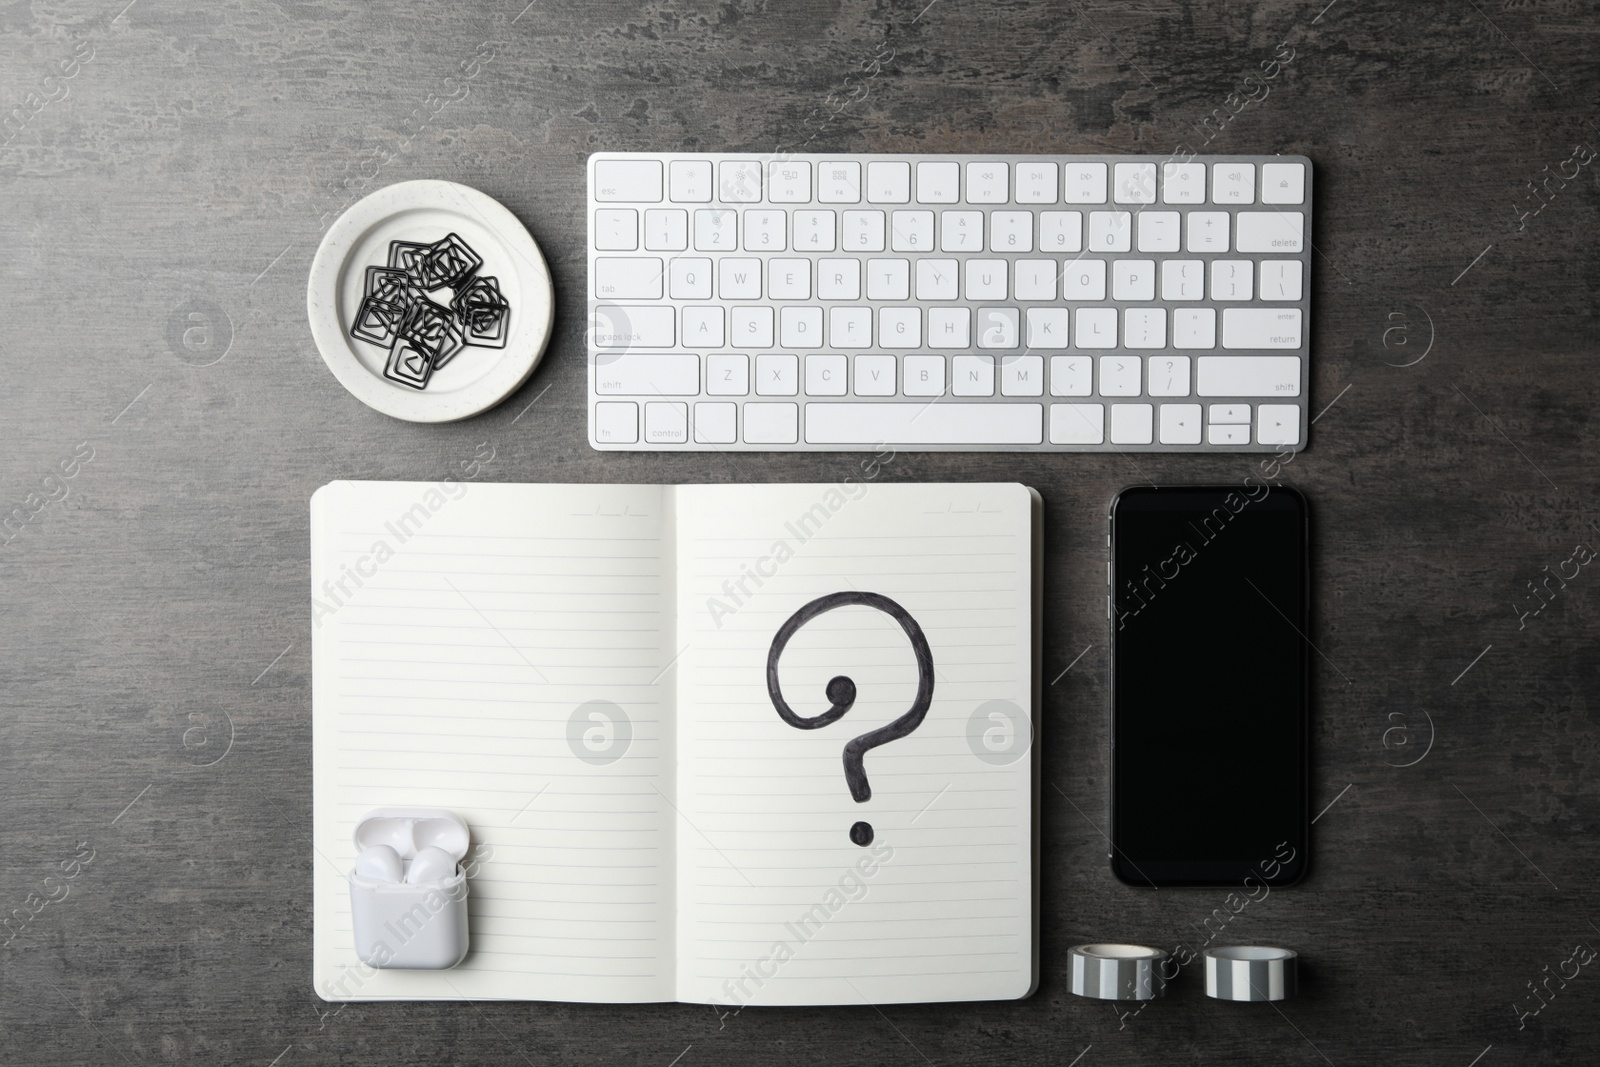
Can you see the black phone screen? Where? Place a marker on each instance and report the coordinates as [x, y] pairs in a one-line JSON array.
[[1209, 674]]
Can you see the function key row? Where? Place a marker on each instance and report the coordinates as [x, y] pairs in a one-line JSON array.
[[743, 181]]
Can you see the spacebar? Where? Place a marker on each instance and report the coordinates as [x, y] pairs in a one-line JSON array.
[[919, 423]]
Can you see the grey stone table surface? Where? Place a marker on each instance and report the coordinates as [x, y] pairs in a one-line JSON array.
[[166, 172]]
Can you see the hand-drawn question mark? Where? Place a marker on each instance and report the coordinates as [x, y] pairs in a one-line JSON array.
[[841, 691]]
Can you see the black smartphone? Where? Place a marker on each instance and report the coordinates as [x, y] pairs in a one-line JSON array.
[[1208, 603]]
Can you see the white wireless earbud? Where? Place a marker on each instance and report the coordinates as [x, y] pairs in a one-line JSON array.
[[432, 864], [381, 863]]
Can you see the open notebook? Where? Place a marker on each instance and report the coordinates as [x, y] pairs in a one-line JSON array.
[[580, 671]]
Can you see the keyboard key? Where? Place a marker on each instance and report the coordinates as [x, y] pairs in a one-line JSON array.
[[911, 231], [1132, 424], [1086, 183], [988, 183], [863, 231], [691, 181], [1110, 231], [618, 278], [1169, 376], [666, 230], [703, 327], [648, 374], [1278, 424], [1035, 279], [1183, 183], [1077, 424], [923, 424], [666, 423], [1228, 435], [838, 279], [888, 182], [616, 229], [1248, 376], [850, 327], [627, 180], [950, 327], [1135, 183], [1283, 183], [936, 279], [900, 327], [1194, 327], [766, 231], [799, 327], [789, 279], [986, 279], [1207, 231], [998, 328], [716, 230], [1133, 279], [1084, 281], [1280, 279], [715, 423], [839, 182], [739, 279], [1047, 328], [1261, 328], [771, 424], [1071, 376], [1180, 424], [1183, 279], [972, 375], [789, 181], [961, 231], [689, 279], [938, 182], [777, 374], [825, 375], [1036, 183], [888, 279], [643, 326], [1060, 231], [739, 181], [924, 376], [727, 374], [1011, 231], [1144, 328], [814, 231], [616, 422], [752, 327], [1096, 328], [1158, 231], [1121, 376], [1278, 232], [1233, 183], [1232, 279], [1021, 375], [875, 376], [1228, 413]]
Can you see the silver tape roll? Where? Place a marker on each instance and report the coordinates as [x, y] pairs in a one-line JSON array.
[[1118, 972], [1251, 972]]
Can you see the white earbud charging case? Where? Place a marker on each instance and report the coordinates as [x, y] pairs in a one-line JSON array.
[[403, 925]]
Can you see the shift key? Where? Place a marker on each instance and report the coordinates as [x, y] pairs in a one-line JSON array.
[[1248, 376]]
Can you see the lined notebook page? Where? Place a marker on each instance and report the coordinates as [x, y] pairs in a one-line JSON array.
[[449, 677], [776, 904]]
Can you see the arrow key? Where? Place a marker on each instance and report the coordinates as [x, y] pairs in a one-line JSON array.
[[1278, 424], [1180, 424]]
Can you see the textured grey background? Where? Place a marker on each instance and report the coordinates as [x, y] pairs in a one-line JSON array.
[[154, 624]]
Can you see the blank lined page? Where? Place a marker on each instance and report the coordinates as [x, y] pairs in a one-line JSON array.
[[777, 905], [502, 651]]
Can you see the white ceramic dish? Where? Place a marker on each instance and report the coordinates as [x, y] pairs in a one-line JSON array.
[[476, 379]]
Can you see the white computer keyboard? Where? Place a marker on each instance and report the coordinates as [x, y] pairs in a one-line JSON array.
[[838, 302]]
